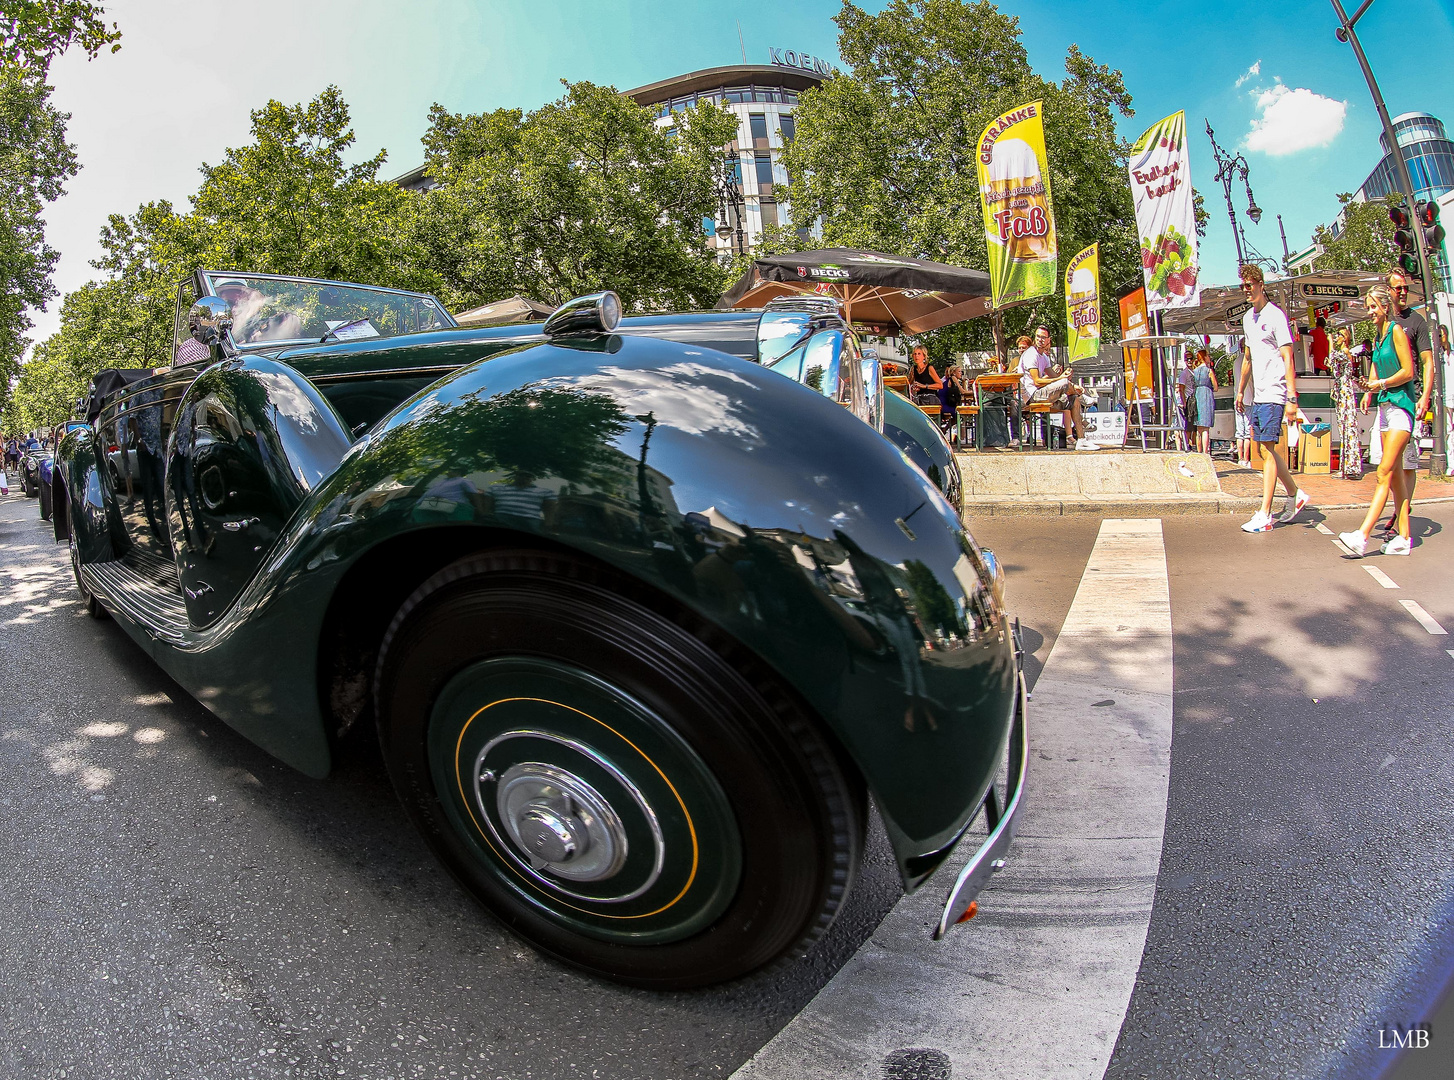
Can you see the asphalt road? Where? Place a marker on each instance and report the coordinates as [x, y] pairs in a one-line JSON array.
[[176, 904]]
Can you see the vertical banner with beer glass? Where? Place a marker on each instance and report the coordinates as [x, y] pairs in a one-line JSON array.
[[1014, 189], [1161, 189], [1083, 303]]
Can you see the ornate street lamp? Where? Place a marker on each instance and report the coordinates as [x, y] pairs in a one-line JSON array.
[[731, 207], [1228, 169]]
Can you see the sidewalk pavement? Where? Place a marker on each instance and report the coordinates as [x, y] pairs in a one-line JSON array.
[[1329, 491]]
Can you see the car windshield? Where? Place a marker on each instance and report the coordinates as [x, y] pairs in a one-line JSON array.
[[268, 310]]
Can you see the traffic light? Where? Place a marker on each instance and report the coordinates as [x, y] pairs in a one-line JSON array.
[[1427, 215], [1403, 240]]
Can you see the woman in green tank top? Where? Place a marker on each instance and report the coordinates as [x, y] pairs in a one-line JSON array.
[[1391, 379]]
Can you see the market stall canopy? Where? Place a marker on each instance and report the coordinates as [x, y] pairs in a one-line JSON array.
[[517, 309], [1337, 294], [913, 295]]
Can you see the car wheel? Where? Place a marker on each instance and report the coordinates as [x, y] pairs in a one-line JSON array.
[[88, 599], [625, 789], [44, 502]]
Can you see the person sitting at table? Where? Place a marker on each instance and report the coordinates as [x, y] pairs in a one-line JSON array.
[[924, 381], [952, 393], [1038, 384]]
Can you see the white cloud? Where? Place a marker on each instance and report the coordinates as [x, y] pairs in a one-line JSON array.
[[1293, 120], [1255, 69]]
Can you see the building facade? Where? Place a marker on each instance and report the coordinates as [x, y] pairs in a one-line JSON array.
[[1430, 156], [763, 97]]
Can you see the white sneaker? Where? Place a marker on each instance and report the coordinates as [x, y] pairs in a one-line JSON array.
[[1397, 546], [1294, 507], [1260, 523], [1086, 444], [1355, 542]]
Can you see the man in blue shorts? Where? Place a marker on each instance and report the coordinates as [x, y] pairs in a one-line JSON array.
[[1267, 348]]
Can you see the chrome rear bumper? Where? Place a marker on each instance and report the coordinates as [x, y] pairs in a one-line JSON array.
[[991, 854]]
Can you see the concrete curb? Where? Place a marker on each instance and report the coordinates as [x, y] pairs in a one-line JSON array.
[[1148, 505], [1107, 505]]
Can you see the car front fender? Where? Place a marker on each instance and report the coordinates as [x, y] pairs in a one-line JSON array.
[[768, 510]]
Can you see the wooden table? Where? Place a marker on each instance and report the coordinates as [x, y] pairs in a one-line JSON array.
[[995, 391]]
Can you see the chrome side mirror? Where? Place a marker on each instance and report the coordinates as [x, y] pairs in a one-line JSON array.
[[596, 313], [209, 319]]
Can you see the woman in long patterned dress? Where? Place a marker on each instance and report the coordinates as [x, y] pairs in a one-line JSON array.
[[1346, 382]]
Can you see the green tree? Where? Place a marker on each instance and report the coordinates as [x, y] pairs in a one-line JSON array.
[[884, 154], [1364, 243], [35, 159], [284, 203], [585, 193]]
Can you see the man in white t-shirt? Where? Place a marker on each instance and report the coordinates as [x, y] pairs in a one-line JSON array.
[[1038, 383], [1267, 347]]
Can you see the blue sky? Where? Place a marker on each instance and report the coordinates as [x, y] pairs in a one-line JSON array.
[[145, 118]]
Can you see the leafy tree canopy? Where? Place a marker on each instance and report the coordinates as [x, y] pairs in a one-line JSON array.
[[35, 32], [35, 159], [884, 154], [585, 193], [285, 203], [1364, 243]]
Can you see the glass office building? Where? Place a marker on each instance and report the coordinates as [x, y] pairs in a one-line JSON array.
[[1430, 157], [763, 97]]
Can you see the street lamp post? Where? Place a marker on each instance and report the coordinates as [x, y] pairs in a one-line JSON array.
[[1228, 169], [731, 206], [1439, 458]]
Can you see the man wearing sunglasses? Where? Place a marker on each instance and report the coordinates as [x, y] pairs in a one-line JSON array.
[[1417, 331], [1267, 339]]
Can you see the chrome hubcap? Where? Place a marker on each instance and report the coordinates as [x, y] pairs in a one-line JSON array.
[[560, 822], [557, 826]]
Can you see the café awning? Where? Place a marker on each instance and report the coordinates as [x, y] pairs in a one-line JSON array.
[[1337, 294], [912, 295]]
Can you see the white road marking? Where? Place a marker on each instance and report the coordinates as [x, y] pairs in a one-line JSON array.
[[1380, 577], [1323, 528], [1038, 983], [1451, 653], [1425, 619]]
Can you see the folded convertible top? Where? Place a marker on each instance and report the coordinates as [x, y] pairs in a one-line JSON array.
[[108, 382]]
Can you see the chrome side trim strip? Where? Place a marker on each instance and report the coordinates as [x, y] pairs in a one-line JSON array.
[[439, 369]]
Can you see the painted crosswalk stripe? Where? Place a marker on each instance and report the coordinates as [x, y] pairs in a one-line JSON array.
[[1380, 577], [1323, 529], [1038, 984], [1425, 619]]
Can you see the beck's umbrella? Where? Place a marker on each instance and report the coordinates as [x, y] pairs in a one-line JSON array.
[[914, 295]]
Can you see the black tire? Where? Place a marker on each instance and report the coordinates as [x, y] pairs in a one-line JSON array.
[[515, 657], [92, 605], [45, 499]]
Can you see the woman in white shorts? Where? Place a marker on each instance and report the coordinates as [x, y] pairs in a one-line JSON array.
[[1391, 379]]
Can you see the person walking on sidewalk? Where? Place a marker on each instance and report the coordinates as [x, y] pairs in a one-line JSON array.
[[1392, 381], [1347, 381], [1417, 332], [1267, 345]]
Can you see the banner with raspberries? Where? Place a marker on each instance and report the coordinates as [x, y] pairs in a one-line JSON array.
[[1014, 192], [1083, 303], [1161, 187]]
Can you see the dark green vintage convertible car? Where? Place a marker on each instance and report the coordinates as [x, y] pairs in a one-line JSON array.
[[644, 611]]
